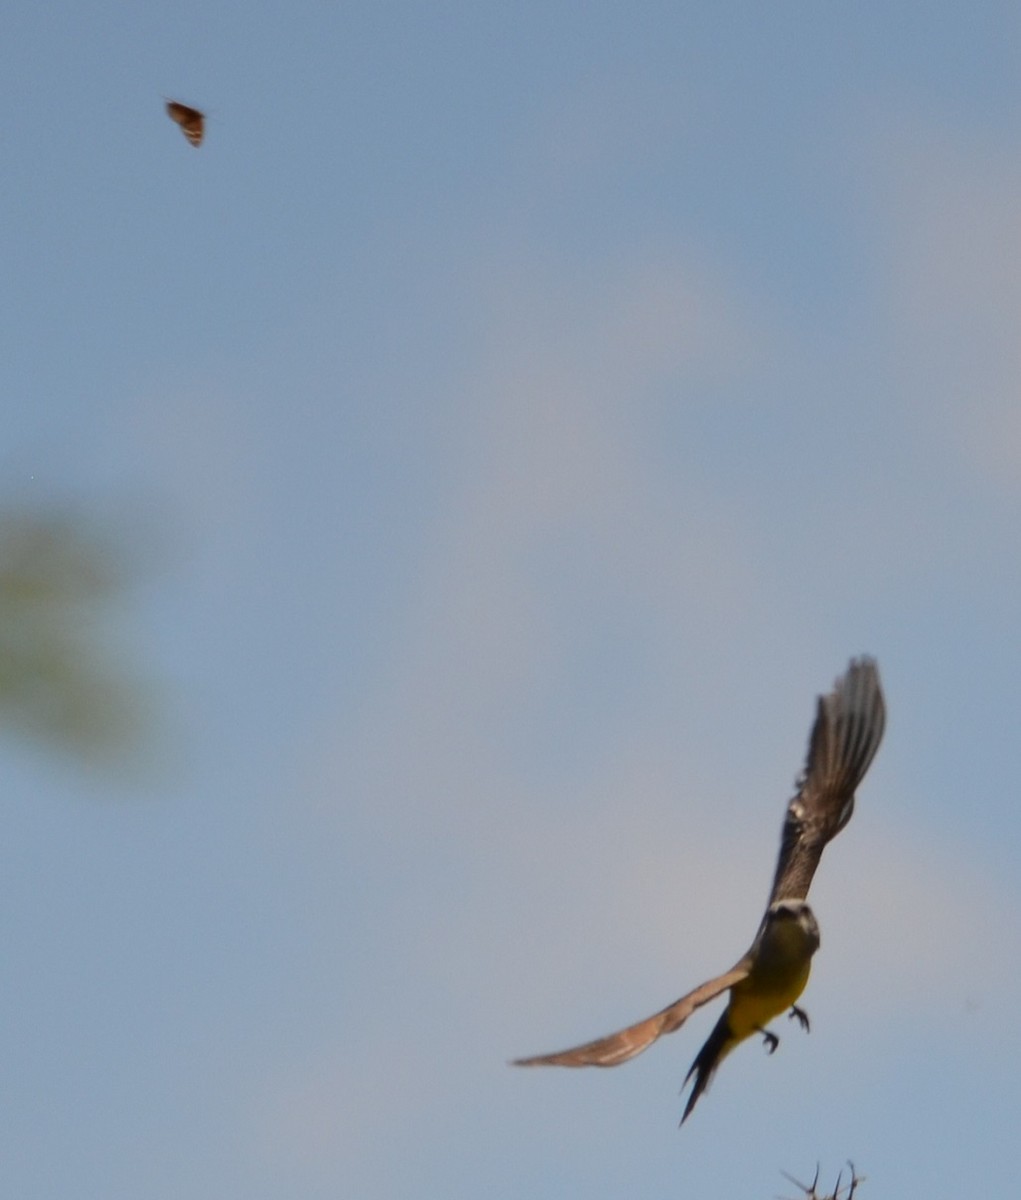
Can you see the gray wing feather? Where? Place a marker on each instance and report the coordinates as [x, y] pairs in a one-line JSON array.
[[845, 737], [626, 1043]]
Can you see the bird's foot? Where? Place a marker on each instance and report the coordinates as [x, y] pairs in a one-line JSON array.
[[801, 1015], [770, 1039]]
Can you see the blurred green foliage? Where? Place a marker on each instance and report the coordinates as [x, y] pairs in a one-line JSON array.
[[61, 681]]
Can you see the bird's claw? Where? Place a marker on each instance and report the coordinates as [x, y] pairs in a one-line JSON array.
[[801, 1015], [770, 1039]]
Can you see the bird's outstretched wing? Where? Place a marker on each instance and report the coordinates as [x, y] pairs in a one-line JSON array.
[[626, 1043], [848, 729]]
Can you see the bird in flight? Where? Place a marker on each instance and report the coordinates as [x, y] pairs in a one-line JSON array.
[[772, 974], [192, 122]]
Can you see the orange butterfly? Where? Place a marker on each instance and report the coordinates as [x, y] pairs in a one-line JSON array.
[[192, 122]]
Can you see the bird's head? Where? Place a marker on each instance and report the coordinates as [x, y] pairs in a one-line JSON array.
[[788, 914]]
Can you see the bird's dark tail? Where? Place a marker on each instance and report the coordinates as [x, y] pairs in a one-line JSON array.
[[717, 1044]]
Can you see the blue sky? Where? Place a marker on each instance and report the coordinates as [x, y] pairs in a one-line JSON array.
[[527, 410]]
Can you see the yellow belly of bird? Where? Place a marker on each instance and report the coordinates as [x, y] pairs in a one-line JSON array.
[[755, 1002], [777, 979]]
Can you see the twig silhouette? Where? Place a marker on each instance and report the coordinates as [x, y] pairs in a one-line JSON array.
[[838, 1193]]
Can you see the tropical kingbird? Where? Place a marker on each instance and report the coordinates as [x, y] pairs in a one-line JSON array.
[[772, 974]]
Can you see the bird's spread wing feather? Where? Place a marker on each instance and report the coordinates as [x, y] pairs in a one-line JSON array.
[[848, 729], [626, 1043]]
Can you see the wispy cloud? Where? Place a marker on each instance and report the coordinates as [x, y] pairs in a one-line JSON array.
[[954, 267]]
